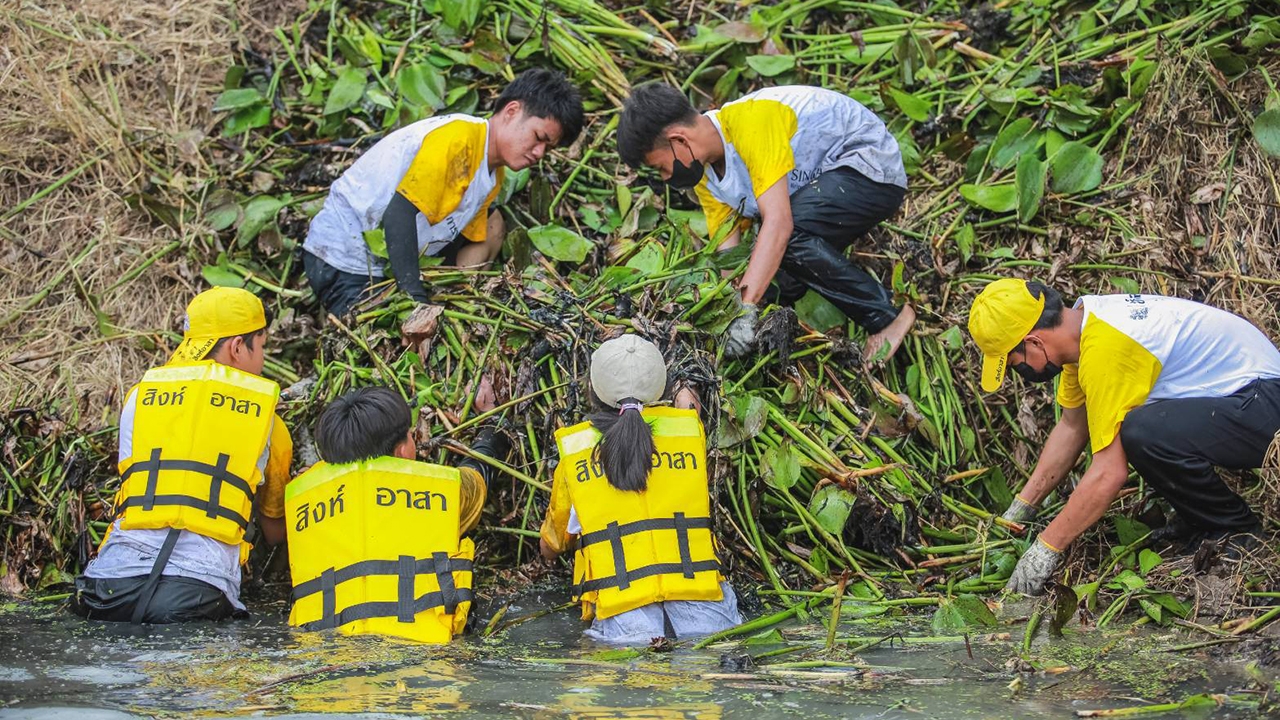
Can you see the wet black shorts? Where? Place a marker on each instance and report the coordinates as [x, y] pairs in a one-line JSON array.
[[176, 599]]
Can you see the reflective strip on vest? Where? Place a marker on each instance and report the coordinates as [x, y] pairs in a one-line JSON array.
[[409, 575], [199, 432]]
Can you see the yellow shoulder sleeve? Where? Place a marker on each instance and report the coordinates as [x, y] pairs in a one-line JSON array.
[[555, 526], [761, 130], [1116, 375], [441, 171], [717, 213], [1069, 393], [279, 459], [478, 229]]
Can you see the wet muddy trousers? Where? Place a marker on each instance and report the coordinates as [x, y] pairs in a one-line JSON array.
[[1175, 445], [827, 215]]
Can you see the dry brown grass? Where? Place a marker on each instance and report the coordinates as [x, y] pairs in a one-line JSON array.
[[129, 84]]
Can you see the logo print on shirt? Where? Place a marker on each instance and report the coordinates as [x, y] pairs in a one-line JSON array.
[[1135, 300], [1138, 314]]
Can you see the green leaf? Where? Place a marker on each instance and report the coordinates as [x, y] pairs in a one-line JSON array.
[[781, 466], [997, 486], [1129, 530], [1076, 168], [371, 48], [648, 260], [1029, 178], [560, 243], [974, 611], [1126, 285], [347, 91], [376, 239], [1016, 139], [816, 312], [996, 198], [910, 105], [966, 238], [257, 213], [771, 65], [1147, 560], [422, 84], [249, 118], [238, 99], [951, 338], [1266, 130], [221, 276], [222, 217], [830, 506]]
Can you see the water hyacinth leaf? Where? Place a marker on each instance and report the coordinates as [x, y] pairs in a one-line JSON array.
[[741, 32], [237, 99], [771, 65], [422, 84], [257, 213], [648, 260], [996, 198], [250, 118], [781, 466], [1128, 286], [347, 91], [1015, 140], [965, 237], [831, 505], [951, 338], [1064, 602], [223, 216], [974, 611], [1029, 177], [1148, 560], [1076, 168], [1129, 530], [1266, 130], [221, 276], [560, 243], [910, 105], [997, 487], [816, 312]]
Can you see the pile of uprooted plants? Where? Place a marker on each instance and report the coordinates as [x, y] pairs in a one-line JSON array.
[[1117, 146]]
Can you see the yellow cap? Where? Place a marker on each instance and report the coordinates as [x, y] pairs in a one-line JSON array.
[[214, 314], [1000, 317]]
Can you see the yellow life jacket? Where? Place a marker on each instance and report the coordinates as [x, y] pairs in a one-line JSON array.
[[199, 431], [390, 564], [638, 548]]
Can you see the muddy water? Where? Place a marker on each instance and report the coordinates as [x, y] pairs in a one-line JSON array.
[[52, 665]]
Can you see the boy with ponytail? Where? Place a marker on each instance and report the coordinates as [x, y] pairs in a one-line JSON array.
[[631, 495]]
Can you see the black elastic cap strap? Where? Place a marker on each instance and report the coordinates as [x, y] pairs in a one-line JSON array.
[[153, 580], [404, 590]]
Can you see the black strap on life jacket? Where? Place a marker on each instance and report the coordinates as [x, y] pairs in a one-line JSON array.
[[153, 580], [622, 577], [405, 607], [218, 476]]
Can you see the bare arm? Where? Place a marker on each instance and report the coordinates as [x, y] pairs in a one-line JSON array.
[[1098, 488], [771, 242], [272, 529], [1061, 452]]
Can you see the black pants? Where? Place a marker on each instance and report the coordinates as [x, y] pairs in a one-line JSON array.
[[339, 290], [176, 599], [828, 214], [1175, 445]]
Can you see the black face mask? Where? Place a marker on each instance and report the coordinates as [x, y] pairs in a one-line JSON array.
[[684, 177], [1030, 374]]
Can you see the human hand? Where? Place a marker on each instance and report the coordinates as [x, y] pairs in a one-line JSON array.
[[1038, 563], [1020, 511], [740, 336]]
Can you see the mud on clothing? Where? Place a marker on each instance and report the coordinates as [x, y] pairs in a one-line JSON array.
[[844, 174], [1186, 387], [130, 554]]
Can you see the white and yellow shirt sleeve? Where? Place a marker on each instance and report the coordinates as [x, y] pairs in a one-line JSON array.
[[449, 181]]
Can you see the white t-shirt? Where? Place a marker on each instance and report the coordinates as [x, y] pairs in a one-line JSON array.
[[798, 132], [440, 164], [130, 553], [1137, 349]]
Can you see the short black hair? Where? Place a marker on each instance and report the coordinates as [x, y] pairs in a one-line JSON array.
[[363, 424], [546, 93], [1051, 315], [652, 108], [247, 337]]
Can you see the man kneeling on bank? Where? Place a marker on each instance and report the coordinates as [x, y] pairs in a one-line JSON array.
[[198, 436], [1170, 386], [376, 540]]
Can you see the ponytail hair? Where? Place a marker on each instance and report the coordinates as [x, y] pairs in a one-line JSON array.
[[625, 453]]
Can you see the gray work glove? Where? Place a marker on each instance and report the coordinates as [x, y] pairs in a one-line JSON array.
[[1038, 563], [1020, 511], [740, 336]]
